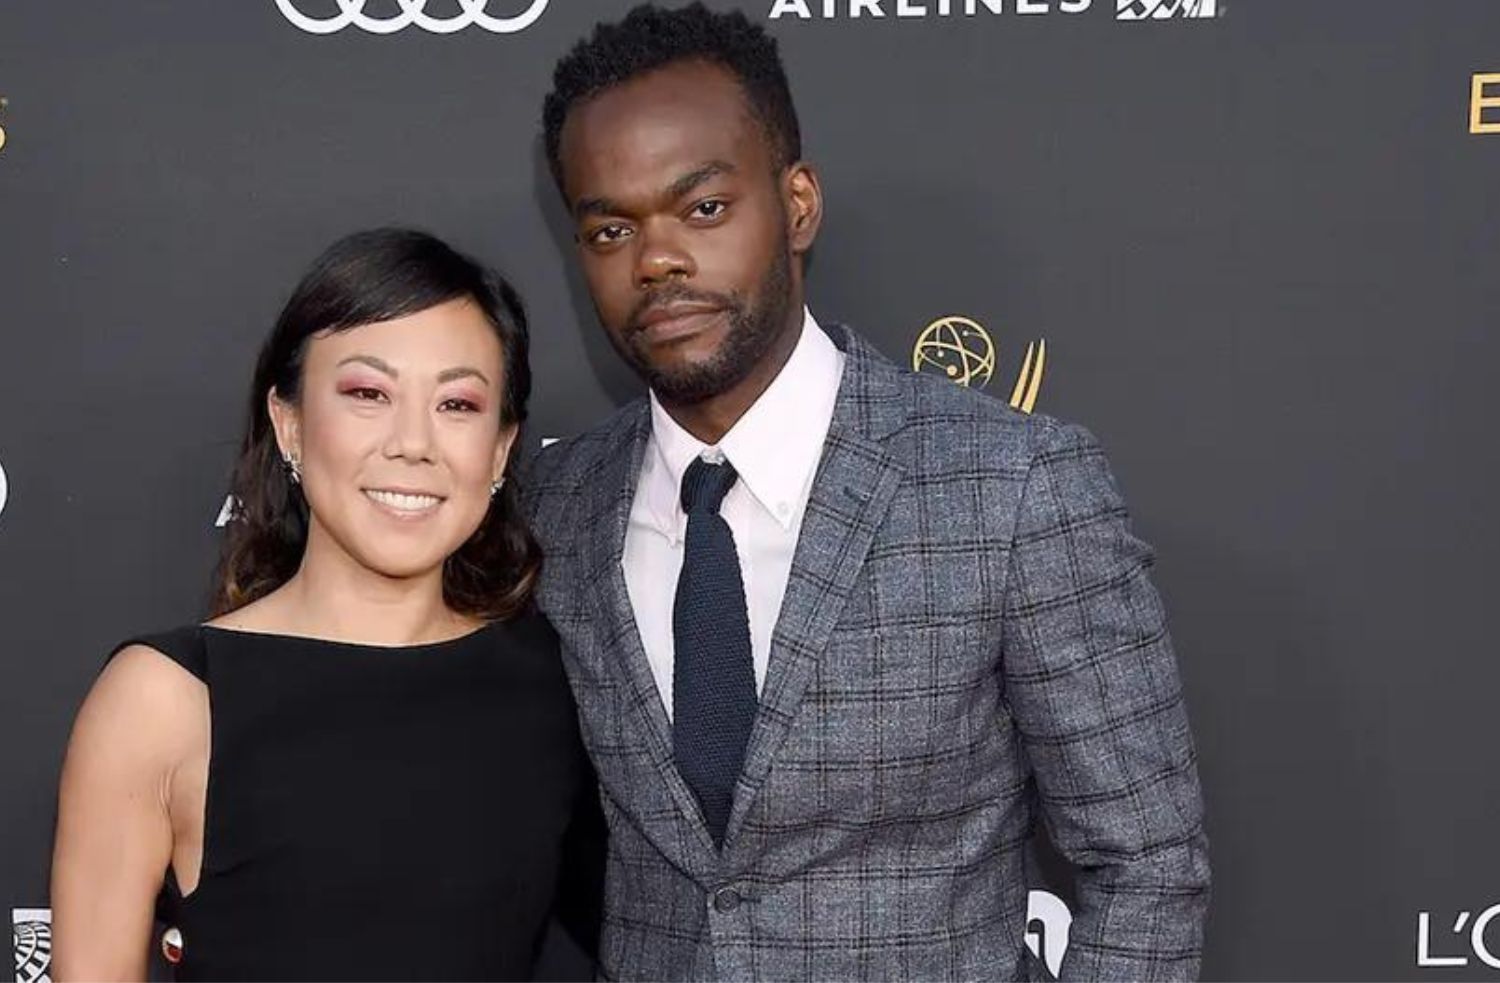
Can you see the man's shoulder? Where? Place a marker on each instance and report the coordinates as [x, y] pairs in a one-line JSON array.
[[558, 479], [565, 465], [971, 423]]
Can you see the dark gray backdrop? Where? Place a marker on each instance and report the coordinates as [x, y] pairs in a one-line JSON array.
[[1262, 248]]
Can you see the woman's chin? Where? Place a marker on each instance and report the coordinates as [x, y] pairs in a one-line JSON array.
[[400, 564], [411, 573]]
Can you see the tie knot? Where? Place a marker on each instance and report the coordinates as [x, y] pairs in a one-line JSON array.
[[704, 485]]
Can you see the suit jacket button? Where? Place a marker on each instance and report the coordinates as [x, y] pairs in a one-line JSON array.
[[726, 899]]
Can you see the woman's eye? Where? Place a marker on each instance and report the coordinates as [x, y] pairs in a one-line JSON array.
[[459, 405], [365, 394]]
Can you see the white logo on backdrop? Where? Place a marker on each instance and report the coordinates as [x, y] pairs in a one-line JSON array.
[[1049, 940], [1125, 10], [1165, 9], [856, 9], [31, 930], [4, 488], [472, 13], [1476, 940]]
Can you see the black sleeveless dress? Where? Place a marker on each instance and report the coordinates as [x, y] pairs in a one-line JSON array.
[[411, 813]]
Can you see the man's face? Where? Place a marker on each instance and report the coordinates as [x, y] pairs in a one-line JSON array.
[[682, 220]]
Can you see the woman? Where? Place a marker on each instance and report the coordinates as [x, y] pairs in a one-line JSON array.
[[367, 763]]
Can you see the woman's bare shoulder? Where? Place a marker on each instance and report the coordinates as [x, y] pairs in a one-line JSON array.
[[144, 705]]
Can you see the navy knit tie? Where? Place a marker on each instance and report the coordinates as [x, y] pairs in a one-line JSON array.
[[713, 679]]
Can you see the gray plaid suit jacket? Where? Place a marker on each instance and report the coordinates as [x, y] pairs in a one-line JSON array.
[[968, 641]]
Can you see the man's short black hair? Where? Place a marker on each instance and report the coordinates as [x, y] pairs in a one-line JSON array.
[[649, 38]]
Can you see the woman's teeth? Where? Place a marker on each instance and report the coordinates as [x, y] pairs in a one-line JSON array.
[[404, 503]]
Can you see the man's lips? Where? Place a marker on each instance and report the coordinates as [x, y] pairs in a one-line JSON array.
[[673, 321]]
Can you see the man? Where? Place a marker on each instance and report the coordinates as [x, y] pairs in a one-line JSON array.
[[839, 632]]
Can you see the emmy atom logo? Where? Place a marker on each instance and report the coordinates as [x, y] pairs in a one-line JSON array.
[[411, 13], [31, 932], [4, 489], [3, 103], [960, 349]]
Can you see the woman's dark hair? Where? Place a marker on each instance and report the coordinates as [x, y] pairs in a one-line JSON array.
[[364, 278]]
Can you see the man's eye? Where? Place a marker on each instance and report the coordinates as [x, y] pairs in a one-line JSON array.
[[709, 209], [606, 234]]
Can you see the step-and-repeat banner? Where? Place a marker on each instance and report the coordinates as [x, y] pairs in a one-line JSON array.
[[1252, 244]]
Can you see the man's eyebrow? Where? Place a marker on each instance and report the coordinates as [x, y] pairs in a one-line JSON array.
[[380, 365], [675, 190], [697, 176], [594, 206]]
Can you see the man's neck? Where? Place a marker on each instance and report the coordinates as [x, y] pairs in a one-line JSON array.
[[710, 419]]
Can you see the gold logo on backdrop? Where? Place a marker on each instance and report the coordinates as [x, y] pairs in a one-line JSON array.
[[956, 347], [960, 349], [1479, 102], [3, 103]]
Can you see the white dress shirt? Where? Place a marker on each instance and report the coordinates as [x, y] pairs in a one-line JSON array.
[[775, 447]]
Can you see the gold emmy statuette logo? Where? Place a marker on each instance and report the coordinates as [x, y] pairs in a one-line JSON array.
[[1479, 102], [960, 349]]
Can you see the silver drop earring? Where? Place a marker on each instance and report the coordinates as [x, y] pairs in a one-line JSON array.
[[496, 485], [293, 469]]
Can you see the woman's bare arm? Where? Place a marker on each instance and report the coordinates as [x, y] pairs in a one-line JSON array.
[[142, 721]]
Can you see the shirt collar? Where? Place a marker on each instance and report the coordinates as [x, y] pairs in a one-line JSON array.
[[775, 447]]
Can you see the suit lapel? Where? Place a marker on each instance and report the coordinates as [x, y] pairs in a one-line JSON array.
[[607, 515], [855, 485]]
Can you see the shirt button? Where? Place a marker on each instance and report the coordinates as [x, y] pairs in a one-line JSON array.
[[726, 899]]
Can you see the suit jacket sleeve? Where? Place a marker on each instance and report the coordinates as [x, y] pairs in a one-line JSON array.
[[1092, 682]]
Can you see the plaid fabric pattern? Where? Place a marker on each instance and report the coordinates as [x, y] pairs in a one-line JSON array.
[[969, 642]]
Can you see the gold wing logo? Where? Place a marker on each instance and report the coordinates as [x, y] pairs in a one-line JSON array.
[[961, 350]]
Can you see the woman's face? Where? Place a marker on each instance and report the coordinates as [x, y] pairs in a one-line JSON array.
[[398, 436]]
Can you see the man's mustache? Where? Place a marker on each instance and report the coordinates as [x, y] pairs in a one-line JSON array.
[[676, 294]]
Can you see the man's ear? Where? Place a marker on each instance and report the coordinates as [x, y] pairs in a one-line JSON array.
[[804, 205], [287, 422]]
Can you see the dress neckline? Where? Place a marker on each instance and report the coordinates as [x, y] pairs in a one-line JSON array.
[[337, 643]]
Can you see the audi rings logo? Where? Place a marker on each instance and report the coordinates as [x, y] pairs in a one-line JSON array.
[[412, 13]]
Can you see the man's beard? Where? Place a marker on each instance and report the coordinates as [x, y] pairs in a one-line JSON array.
[[752, 333]]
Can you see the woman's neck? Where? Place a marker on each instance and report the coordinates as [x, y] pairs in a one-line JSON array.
[[332, 595]]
